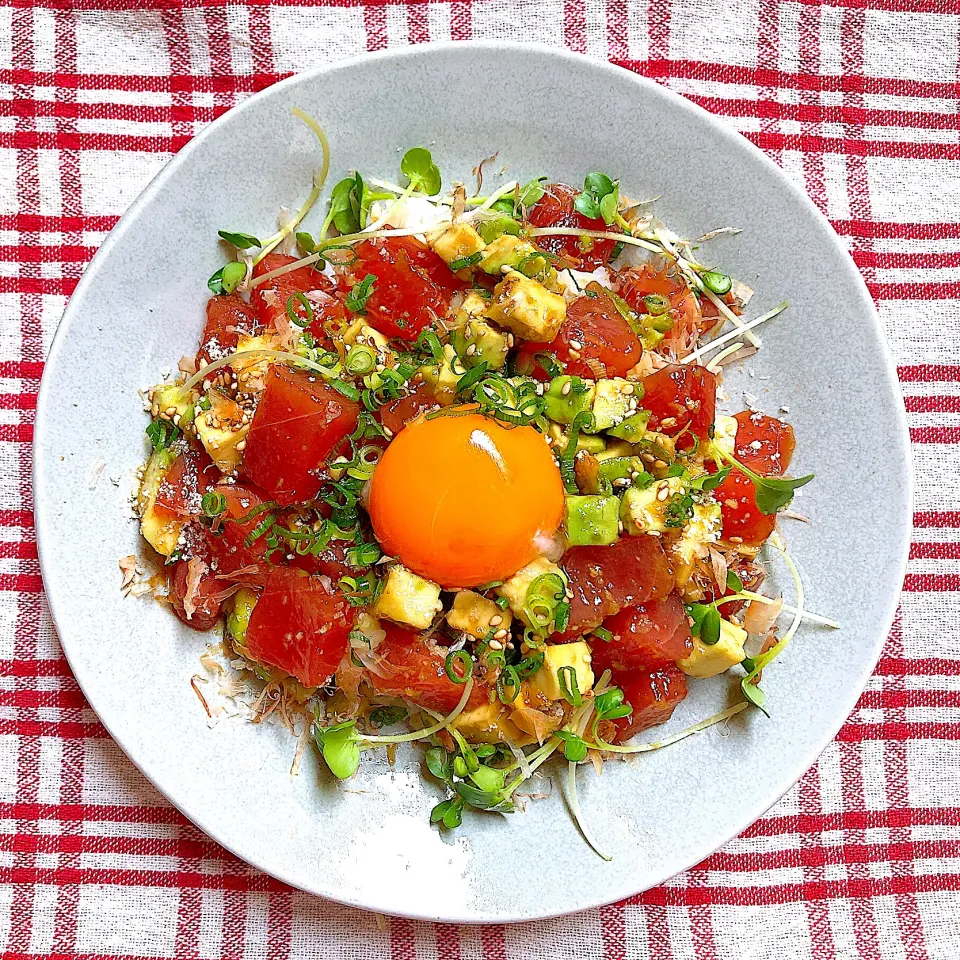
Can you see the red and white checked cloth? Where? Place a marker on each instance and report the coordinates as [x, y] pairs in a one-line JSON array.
[[858, 101]]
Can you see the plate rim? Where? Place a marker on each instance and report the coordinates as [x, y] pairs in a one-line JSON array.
[[720, 128]]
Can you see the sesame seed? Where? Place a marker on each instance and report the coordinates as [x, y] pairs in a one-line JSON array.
[[566, 388], [576, 345], [573, 354], [496, 621], [500, 634], [471, 350], [663, 492], [241, 446], [627, 389], [668, 422], [495, 645]]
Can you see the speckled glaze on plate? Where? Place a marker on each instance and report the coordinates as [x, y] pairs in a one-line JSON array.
[[139, 307]]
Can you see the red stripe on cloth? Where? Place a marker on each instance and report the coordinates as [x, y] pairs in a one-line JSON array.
[[937, 518], [448, 941], [929, 373], [935, 403], [658, 67], [935, 551], [613, 930], [890, 230], [493, 944], [811, 113], [403, 944], [934, 290], [857, 891], [937, 582], [917, 434]]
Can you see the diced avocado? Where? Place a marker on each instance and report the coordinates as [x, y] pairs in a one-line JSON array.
[[407, 598], [477, 340], [490, 723], [616, 448], [223, 432], [546, 681], [592, 521], [442, 378], [506, 251], [474, 303], [592, 444], [708, 661], [632, 428], [527, 308], [659, 445], [644, 510], [701, 529], [457, 242], [620, 468], [161, 531], [515, 589], [725, 434], [611, 405], [171, 396], [475, 614], [244, 600], [565, 397]]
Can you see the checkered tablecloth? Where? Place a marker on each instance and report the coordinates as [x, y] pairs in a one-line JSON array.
[[857, 100]]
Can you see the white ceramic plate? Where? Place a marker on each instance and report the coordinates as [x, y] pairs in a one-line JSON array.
[[140, 306]]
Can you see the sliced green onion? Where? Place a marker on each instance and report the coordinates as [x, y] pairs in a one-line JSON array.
[[508, 685], [458, 666], [602, 633], [582, 421], [567, 678], [363, 554], [472, 376], [295, 318], [213, 504], [260, 530], [347, 389], [544, 595], [360, 360], [528, 666], [463, 262], [429, 342]]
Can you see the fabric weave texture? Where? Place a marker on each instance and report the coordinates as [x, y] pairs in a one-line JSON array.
[[857, 100]]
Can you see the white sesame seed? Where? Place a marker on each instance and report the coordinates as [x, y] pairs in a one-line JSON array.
[[496, 621], [566, 388], [500, 634], [495, 645]]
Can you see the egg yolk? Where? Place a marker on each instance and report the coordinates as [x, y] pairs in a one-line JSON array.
[[462, 500]]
